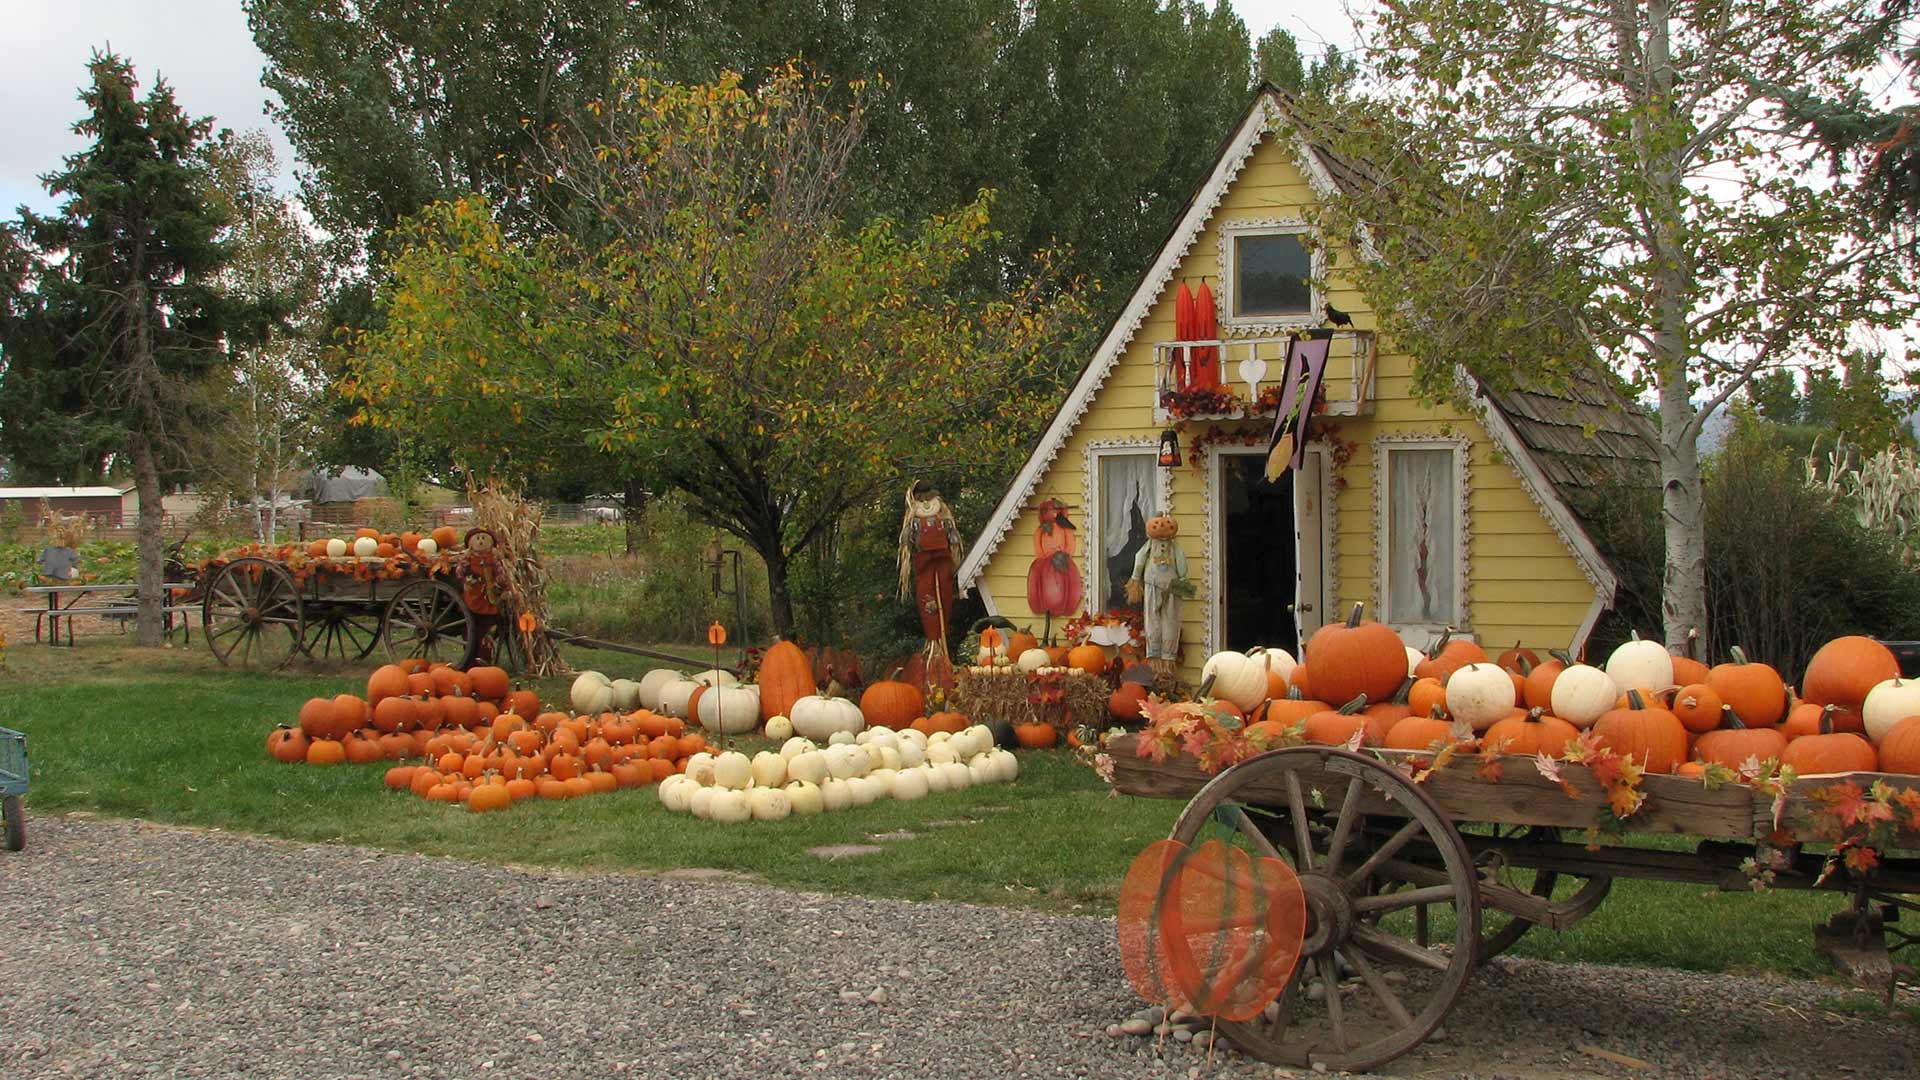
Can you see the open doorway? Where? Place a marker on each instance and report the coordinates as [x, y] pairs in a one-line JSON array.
[[1260, 556]]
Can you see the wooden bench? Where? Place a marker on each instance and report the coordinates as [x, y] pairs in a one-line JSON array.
[[117, 604]]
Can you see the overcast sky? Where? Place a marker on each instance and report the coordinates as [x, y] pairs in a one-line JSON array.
[[203, 48]]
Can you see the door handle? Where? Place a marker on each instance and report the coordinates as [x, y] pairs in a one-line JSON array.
[[1304, 607]]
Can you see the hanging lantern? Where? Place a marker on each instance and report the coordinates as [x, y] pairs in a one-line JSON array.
[[1169, 449]]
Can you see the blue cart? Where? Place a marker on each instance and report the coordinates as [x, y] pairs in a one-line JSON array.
[[13, 784]]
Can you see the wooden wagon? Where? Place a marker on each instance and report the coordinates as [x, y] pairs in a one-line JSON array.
[[1409, 885], [260, 611]]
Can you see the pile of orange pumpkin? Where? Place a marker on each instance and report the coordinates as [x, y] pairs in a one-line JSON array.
[[483, 743], [1852, 712], [369, 554]]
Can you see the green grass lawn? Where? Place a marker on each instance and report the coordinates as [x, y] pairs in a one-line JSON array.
[[168, 736]]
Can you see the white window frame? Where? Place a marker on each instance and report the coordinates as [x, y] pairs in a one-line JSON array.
[[1384, 446], [1244, 325], [1091, 552]]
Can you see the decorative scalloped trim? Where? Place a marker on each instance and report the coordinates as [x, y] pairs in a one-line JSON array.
[[1090, 502], [1082, 397], [1223, 259], [1440, 439]]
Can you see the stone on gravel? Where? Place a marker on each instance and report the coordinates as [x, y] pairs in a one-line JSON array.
[[844, 851], [1136, 1026]]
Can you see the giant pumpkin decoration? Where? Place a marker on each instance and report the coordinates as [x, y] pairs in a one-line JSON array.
[[785, 677], [1358, 656]]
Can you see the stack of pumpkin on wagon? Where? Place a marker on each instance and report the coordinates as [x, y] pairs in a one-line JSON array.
[[1359, 684]]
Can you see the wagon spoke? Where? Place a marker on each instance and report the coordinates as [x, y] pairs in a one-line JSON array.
[[1297, 804], [1253, 834], [1385, 851], [1388, 947], [1336, 1017], [1343, 828], [1358, 961], [1394, 901]]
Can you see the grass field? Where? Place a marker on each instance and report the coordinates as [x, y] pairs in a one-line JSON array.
[[167, 736]]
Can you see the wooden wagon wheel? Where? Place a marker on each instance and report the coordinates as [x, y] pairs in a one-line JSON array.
[[339, 630], [428, 619], [251, 615], [1364, 992], [1577, 892]]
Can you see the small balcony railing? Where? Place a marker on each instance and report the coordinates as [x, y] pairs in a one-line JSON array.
[[1249, 374]]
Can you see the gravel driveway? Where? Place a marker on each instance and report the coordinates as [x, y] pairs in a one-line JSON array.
[[139, 950]]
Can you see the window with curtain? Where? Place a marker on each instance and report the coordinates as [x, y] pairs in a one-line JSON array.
[[1272, 275], [1421, 552], [1127, 500]]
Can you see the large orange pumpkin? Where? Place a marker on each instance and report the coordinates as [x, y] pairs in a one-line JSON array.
[[1755, 691], [1419, 733], [785, 677], [1358, 656], [1091, 659], [492, 683], [1448, 655], [316, 717], [1533, 732], [1830, 751], [1845, 669], [1900, 747], [1646, 733], [1335, 727], [1036, 736], [524, 703], [1733, 744], [394, 714], [349, 713], [892, 703], [446, 538], [1124, 704], [387, 680]]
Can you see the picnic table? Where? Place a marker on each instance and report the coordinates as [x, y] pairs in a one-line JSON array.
[[111, 601]]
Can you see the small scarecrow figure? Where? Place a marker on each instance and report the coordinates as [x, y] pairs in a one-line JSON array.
[[930, 553], [480, 574], [1159, 583], [1053, 581]]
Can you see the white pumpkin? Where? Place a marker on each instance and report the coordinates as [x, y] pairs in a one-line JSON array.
[[1480, 695], [1277, 660], [336, 548], [804, 798], [592, 694], [819, 717], [810, 765], [883, 777], [1887, 704], [880, 737], [730, 710], [768, 803], [700, 768], [846, 762], [982, 769], [715, 677], [1414, 657], [366, 547], [674, 697], [942, 753], [958, 778], [1033, 660], [1009, 765], [675, 790], [769, 769], [909, 785], [728, 805], [652, 683], [840, 738], [427, 548], [917, 738], [912, 754], [795, 746], [626, 695], [937, 778], [1582, 693], [700, 802], [732, 769], [1237, 677], [862, 790], [779, 728], [1641, 665], [890, 758], [835, 795]]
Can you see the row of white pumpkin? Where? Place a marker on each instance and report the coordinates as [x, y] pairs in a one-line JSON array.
[[728, 706], [804, 779]]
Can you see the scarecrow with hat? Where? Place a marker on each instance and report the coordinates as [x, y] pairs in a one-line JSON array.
[[1053, 581], [930, 552]]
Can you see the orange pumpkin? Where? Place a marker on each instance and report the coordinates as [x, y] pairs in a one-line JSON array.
[[1124, 704], [1448, 655], [1091, 659], [288, 744], [949, 722], [1755, 691], [1426, 695], [1900, 747], [1420, 733], [1646, 733], [524, 703], [387, 680], [1518, 660], [1358, 656], [316, 717], [395, 714], [1808, 719], [1336, 727], [785, 677], [326, 752], [1733, 744], [1533, 732], [1698, 707], [349, 713], [1845, 669], [491, 683], [1020, 641], [892, 703], [1537, 690], [1830, 751], [1035, 736], [446, 538]]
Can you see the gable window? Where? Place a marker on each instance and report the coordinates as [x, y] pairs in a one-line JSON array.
[[1272, 275], [1420, 511], [1126, 493]]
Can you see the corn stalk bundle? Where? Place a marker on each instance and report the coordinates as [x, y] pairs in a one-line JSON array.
[[1883, 490], [515, 523]]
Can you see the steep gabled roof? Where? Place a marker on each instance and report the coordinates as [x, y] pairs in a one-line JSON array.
[[1558, 439]]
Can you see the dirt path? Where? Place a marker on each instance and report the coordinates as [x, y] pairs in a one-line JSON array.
[[137, 950]]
